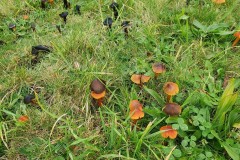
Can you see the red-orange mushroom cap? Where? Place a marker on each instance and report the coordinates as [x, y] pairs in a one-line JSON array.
[[168, 131], [219, 1], [158, 68], [237, 34], [172, 109], [23, 119], [136, 110], [98, 96], [170, 88]]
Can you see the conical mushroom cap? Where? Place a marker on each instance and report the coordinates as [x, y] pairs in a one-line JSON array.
[[171, 88], [97, 86], [172, 109], [158, 68]]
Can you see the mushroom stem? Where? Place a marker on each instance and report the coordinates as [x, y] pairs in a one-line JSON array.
[[100, 102], [156, 75], [126, 32], [235, 42], [169, 98], [58, 28], [115, 14]]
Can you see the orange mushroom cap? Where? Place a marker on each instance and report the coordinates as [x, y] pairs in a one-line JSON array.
[[135, 104], [23, 118], [136, 110], [158, 68], [168, 131], [172, 109], [136, 78], [25, 17], [145, 79], [237, 34], [219, 1], [170, 88], [98, 96]]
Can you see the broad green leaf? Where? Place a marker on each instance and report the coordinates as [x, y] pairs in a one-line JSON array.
[[230, 150]]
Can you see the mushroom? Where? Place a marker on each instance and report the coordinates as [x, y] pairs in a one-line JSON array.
[[25, 17], [114, 6], [125, 25], [139, 79], [219, 1], [158, 68], [12, 26], [108, 22], [43, 6], [64, 16], [168, 131], [66, 4], [59, 28], [78, 7], [237, 35], [170, 89], [136, 110], [98, 91], [23, 119], [51, 1], [29, 99], [33, 26], [172, 109], [42, 48]]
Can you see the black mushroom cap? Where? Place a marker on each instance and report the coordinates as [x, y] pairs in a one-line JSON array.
[[63, 14], [28, 98], [33, 25], [97, 86], [125, 24], [172, 109], [114, 6], [108, 21], [77, 7], [11, 25]]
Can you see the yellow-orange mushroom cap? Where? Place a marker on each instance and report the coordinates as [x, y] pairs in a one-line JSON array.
[[98, 96], [219, 1], [135, 104], [136, 114], [136, 110], [145, 79], [158, 68], [170, 88], [168, 131], [136, 78]]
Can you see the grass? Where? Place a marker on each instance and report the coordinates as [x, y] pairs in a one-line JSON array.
[[65, 124]]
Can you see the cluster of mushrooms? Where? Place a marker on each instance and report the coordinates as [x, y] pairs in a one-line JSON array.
[[98, 92], [170, 108]]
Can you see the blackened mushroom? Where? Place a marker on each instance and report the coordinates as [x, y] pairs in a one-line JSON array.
[[12, 26], [114, 6], [59, 28], [33, 26], [78, 8], [64, 16], [43, 5], [66, 4], [29, 99], [108, 22], [42, 48], [125, 25]]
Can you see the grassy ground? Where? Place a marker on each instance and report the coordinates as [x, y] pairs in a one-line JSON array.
[[194, 42]]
